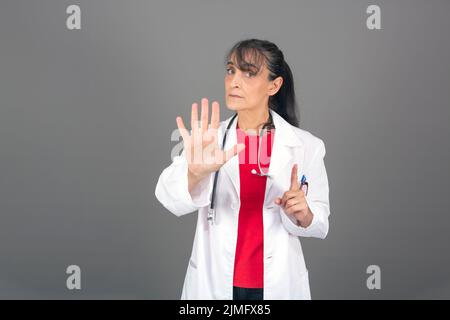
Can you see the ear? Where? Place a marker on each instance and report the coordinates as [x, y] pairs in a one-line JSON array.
[[275, 85]]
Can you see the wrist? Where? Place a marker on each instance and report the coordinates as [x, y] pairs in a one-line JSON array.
[[306, 221], [194, 179], [195, 176]]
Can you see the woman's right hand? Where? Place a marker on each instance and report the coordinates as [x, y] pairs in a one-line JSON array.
[[203, 153]]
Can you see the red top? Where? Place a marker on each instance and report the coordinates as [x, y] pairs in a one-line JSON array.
[[248, 266]]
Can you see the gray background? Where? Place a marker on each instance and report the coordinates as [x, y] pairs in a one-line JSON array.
[[86, 118]]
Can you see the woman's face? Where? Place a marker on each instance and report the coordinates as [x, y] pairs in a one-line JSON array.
[[248, 89]]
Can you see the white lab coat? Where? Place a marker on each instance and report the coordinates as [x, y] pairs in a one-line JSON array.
[[209, 273]]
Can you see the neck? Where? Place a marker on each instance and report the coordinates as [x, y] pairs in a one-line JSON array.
[[252, 119]]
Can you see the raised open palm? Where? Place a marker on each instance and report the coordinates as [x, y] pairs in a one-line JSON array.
[[203, 153]]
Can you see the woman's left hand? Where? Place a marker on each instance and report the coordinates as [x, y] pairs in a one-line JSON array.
[[294, 201]]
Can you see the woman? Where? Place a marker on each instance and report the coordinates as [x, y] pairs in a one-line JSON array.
[[249, 248]]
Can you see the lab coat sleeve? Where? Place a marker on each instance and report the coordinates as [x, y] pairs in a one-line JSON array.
[[317, 199], [172, 188]]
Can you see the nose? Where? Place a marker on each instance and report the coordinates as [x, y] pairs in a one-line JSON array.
[[235, 80]]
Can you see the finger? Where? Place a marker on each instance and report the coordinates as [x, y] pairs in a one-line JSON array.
[[194, 119], [212, 131], [183, 131], [292, 202], [234, 151], [278, 200], [215, 115], [287, 195], [295, 209], [204, 117], [208, 144], [294, 179]]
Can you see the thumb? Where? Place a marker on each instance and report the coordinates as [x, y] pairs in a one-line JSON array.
[[234, 151], [295, 186]]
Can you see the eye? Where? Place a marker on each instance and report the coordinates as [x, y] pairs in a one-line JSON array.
[[228, 70], [250, 74]]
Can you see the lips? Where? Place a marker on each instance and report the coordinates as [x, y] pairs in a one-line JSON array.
[[235, 96]]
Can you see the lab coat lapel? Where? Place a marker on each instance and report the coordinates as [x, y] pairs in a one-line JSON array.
[[287, 150]]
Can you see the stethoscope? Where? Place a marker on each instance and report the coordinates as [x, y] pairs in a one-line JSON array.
[[269, 124]]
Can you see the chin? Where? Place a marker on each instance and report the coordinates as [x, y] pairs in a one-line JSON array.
[[233, 105]]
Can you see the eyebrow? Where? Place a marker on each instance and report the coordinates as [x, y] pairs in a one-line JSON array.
[[249, 65]]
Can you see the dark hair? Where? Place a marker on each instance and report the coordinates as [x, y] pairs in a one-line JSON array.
[[260, 52]]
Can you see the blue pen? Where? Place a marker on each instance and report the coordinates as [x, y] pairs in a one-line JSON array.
[[303, 180]]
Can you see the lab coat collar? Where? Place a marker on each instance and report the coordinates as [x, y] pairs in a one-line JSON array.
[[285, 140]]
